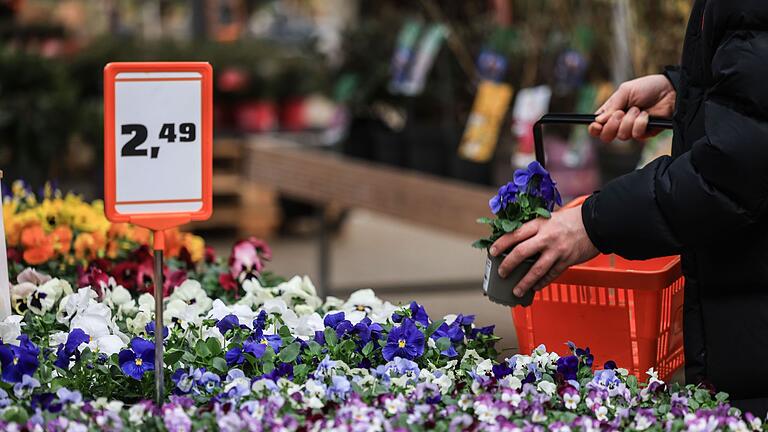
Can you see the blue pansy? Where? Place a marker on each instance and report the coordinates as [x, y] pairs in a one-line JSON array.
[[404, 366], [333, 319], [507, 194], [610, 364], [25, 387], [538, 182], [568, 367], [228, 323], [18, 360], [465, 320], [67, 396], [46, 401], [282, 370], [501, 370], [209, 381], [150, 329], [67, 350], [418, 314], [338, 322], [488, 330], [139, 359], [405, 341], [452, 332], [585, 355], [339, 388], [367, 331], [185, 380], [261, 320]]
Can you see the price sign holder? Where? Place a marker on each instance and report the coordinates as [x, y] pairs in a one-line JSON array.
[[158, 137]]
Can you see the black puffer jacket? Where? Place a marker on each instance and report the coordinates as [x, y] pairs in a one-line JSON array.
[[709, 200]]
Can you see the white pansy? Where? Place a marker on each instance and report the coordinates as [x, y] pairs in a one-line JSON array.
[[10, 329], [306, 326], [179, 312], [138, 323], [58, 338], [193, 294], [120, 300], [512, 382], [73, 304], [108, 344], [146, 302], [96, 322], [332, 302], [245, 315], [213, 332], [20, 293], [547, 387], [136, 414], [484, 367], [299, 291]]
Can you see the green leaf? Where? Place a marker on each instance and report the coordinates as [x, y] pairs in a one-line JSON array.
[[433, 327], [368, 349], [632, 382], [701, 395], [173, 357], [543, 212], [213, 346], [485, 220], [330, 337], [315, 348], [443, 343], [202, 349], [289, 353], [219, 364], [721, 397], [285, 332], [507, 225]]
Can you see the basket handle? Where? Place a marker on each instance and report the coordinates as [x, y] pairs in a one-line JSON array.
[[585, 119]]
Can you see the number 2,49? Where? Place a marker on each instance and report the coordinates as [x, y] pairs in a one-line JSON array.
[[186, 133]]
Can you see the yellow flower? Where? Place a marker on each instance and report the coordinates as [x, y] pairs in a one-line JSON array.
[[195, 246], [89, 246]]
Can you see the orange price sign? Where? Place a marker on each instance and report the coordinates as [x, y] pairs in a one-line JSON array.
[[158, 131], [158, 138]]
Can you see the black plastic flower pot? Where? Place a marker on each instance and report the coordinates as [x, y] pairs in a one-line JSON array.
[[499, 290]]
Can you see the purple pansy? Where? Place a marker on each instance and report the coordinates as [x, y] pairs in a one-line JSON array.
[[405, 341], [139, 359], [68, 349], [568, 367], [18, 360]]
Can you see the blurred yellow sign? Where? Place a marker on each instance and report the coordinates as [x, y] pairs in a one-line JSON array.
[[484, 123]]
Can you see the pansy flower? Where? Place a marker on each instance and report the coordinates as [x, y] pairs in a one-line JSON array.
[[139, 359], [418, 314], [18, 361], [405, 340], [70, 348]]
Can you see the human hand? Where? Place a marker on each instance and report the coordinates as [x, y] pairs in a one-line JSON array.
[[625, 114], [562, 241]]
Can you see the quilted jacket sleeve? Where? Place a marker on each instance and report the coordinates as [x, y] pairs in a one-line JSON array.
[[713, 191]]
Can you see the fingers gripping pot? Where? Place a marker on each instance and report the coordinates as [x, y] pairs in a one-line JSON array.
[[499, 290]]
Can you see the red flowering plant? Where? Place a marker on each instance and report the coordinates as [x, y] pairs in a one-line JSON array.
[[246, 261]]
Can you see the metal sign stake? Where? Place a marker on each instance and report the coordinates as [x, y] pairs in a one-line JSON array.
[[159, 240]]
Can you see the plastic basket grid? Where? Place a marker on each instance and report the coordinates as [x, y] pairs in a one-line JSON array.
[[631, 313]]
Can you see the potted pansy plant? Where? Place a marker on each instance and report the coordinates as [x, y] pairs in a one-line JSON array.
[[531, 194]]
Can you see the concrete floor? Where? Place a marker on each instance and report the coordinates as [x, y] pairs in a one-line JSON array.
[[401, 262]]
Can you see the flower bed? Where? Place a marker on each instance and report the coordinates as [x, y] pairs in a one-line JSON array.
[[245, 350]]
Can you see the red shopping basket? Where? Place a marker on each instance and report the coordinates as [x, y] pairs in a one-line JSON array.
[[627, 311]]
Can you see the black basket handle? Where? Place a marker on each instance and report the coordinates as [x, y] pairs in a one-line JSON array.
[[585, 119]]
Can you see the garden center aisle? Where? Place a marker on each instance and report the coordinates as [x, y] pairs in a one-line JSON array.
[[402, 262]]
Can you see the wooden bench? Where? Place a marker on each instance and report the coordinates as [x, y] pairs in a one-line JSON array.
[[324, 177]]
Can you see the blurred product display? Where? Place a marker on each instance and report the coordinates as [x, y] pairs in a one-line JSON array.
[[444, 88]]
